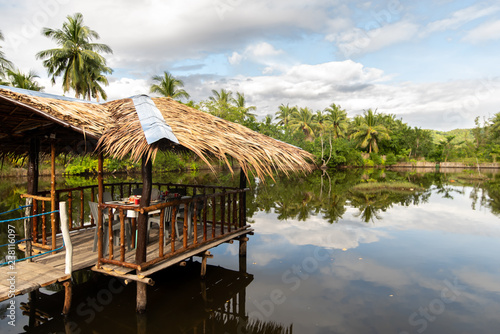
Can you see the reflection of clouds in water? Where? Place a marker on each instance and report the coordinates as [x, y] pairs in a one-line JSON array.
[[315, 231], [480, 280], [347, 292], [455, 216], [410, 257]]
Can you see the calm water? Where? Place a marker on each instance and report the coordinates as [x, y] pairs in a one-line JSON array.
[[323, 259]]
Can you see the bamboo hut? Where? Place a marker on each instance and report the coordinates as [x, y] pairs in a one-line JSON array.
[[136, 128]]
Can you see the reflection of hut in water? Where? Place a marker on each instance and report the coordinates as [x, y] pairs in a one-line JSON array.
[[182, 303]]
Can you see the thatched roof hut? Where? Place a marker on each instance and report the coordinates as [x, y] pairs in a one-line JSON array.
[[116, 128]]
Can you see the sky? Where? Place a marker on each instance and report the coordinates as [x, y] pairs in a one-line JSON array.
[[435, 64]]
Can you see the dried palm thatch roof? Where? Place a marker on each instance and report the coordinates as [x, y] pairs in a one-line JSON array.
[[118, 129], [205, 135]]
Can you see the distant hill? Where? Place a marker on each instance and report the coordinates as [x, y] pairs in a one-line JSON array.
[[460, 135]]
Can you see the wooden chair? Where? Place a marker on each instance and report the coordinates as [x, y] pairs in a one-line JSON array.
[[94, 211], [167, 220]]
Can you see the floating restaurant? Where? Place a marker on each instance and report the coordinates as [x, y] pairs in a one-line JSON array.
[[128, 230]]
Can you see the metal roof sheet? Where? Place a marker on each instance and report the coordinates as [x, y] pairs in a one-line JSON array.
[[152, 121]]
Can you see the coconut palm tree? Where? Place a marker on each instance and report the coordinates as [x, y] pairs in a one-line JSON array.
[[240, 104], [4, 62], [167, 85], [337, 118], [284, 114], [303, 120], [223, 98], [77, 59], [370, 131], [23, 80]]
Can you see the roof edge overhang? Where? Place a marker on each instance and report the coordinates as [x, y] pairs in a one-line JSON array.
[[49, 117]]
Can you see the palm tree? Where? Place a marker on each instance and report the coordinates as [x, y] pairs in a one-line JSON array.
[[78, 60], [5, 64], [222, 98], [284, 114], [167, 85], [337, 118], [370, 131], [221, 103], [22, 80], [303, 120], [240, 104]]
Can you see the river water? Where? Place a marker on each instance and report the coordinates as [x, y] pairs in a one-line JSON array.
[[324, 259]]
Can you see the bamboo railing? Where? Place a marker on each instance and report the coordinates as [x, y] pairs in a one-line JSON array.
[[223, 212]]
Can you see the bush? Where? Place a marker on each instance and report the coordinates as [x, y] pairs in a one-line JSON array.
[[390, 159], [369, 163], [377, 160]]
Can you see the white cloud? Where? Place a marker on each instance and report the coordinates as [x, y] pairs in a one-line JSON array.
[[461, 17], [260, 53], [235, 58], [359, 41], [486, 32], [263, 49]]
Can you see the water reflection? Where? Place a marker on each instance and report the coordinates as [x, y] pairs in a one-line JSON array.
[[329, 259]]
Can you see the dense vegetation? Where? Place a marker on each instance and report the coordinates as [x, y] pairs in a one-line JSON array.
[[333, 137]]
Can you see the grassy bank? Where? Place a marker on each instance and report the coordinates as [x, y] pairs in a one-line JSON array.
[[386, 186]]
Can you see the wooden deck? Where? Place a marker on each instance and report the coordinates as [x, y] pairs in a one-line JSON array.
[[84, 257], [27, 277]]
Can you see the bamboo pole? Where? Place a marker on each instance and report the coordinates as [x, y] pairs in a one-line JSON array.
[[53, 192], [100, 192]]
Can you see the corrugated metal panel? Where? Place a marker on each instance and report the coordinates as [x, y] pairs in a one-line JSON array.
[[46, 95], [152, 121]]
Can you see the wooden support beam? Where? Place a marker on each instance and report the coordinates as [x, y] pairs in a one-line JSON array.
[[99, 222], [32, 189], [141, 297], [142, 221], [68, 293], [146, 169], [126, 277], [243, 199], [243, 239], [204, 258], [53, 192]]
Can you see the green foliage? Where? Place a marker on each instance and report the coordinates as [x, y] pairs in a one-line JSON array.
[[390, 159], [168, 86], [81, 165], [369, 163], [377, 160]]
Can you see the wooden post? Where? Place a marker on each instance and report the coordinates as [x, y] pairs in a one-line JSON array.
[[243, 253], [243, 204], [33, 166], [142, 221], [53, 192], [140, 255], [32, 190], [68, 287], [204, 258], [100, 191], [142, 323]]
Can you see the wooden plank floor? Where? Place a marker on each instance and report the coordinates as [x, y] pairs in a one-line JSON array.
[[28, 276], [84, 257]]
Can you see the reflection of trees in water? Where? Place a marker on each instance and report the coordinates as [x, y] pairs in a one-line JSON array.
[[490, 196], [329, 194], [369, 204]]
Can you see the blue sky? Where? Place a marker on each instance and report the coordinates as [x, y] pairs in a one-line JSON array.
[[432, 63]]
